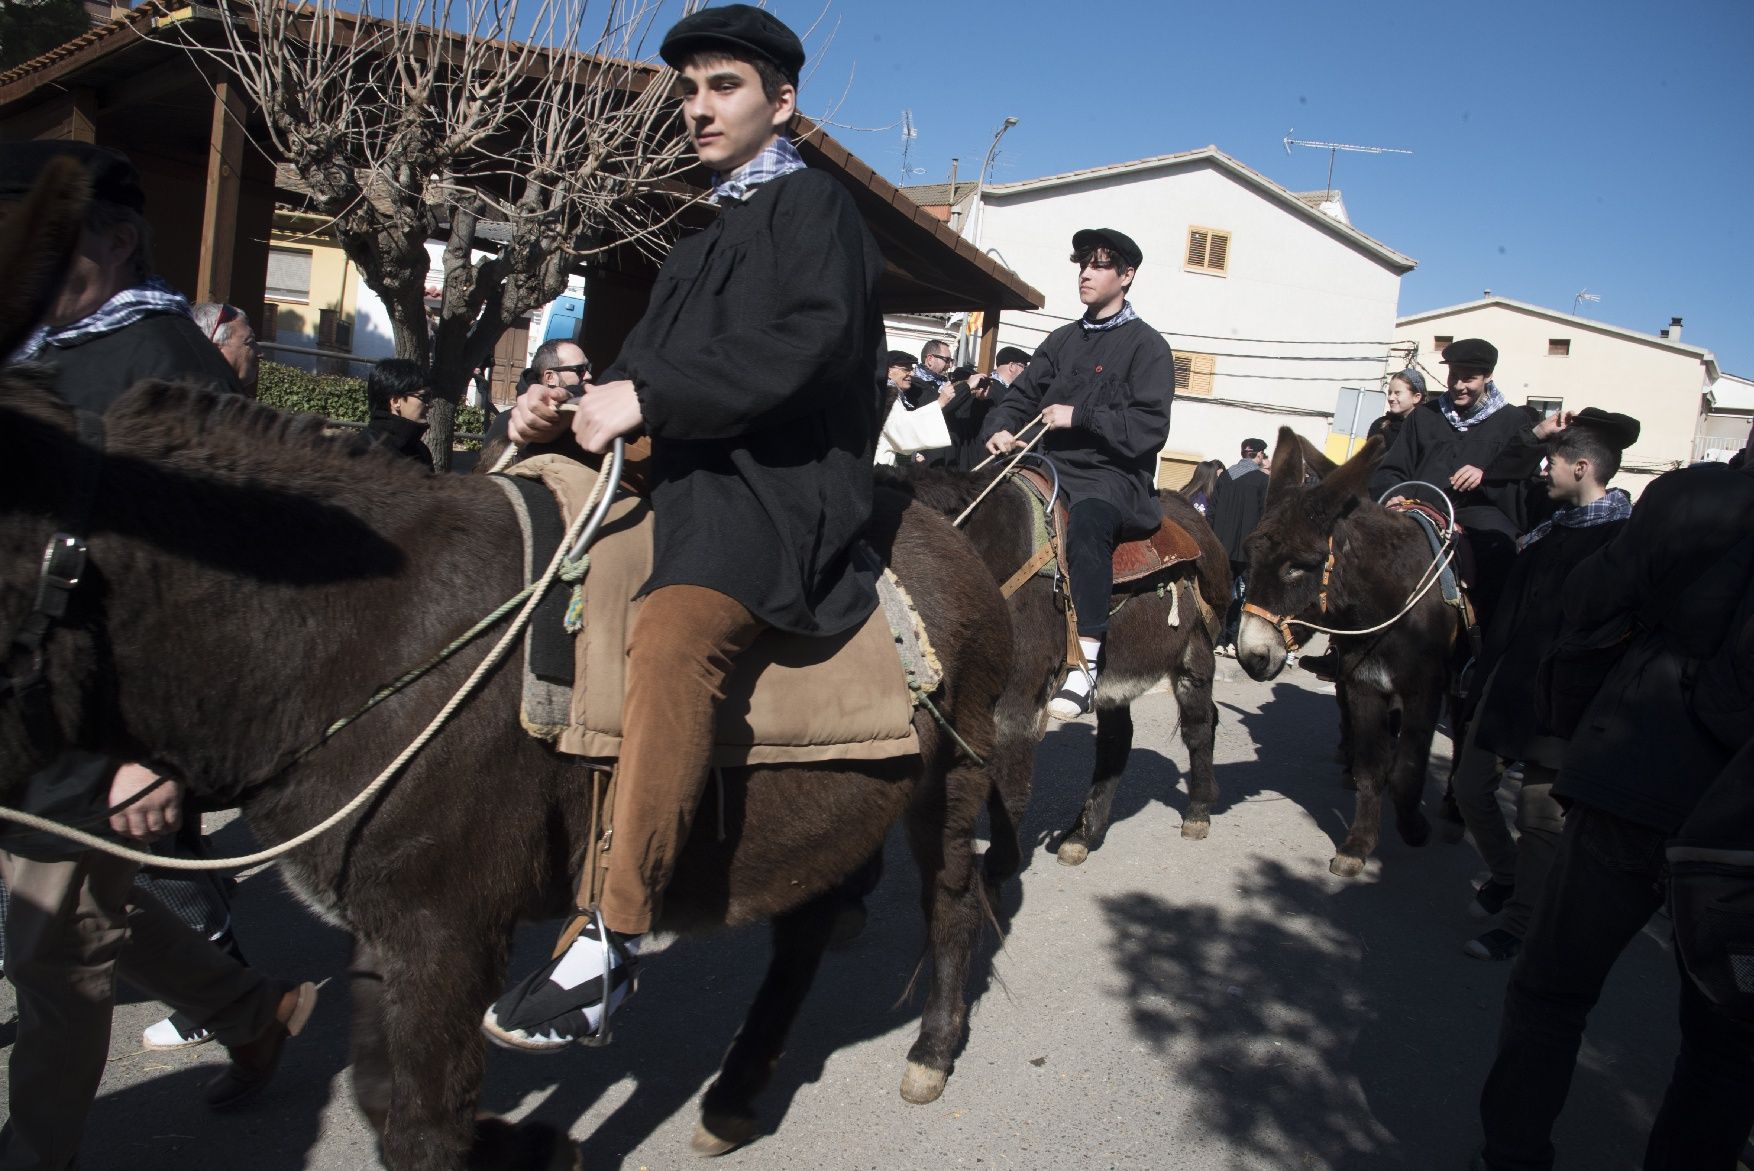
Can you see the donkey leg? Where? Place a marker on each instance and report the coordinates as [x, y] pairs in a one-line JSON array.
[[1412, 760], [370, 1051], [1114, 743], [727, 1110], [941, 835], [1199, 720], [1372, 755], [1012, 768]]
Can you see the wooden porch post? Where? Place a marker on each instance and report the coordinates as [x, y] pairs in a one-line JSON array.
[[989, 339], [219, 210]]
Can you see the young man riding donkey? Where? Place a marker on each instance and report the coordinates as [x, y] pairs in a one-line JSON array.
[[1102, 388], [754, 371]]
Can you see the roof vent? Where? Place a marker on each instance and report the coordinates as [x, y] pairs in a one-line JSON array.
[[1673, 333]]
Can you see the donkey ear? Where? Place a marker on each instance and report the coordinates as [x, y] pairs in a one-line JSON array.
[[37, 241], [1351, 480], [1288, 466], [1314, 459]]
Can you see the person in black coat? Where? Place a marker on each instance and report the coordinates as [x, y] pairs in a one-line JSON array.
[[1103, 386], [1404, 394], [756, 371], [973, 396], [399, 395], [1507, 722], [1237, 504], [1476, 451], [1666, 590]]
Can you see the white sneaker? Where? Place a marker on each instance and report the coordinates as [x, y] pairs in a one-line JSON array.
[[174, 1032]]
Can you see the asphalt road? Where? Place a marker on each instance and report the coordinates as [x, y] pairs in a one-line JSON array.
[[1170, 1004]]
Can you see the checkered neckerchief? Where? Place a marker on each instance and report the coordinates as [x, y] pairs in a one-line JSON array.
[[777, 158], [1125, 315], [125, 308], [1612, 506], [1491, 404]]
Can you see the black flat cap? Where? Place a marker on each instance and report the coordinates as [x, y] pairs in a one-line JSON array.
[[1008, 354], [113, 177], [1119, 244], [1619, 431], [1253, 446], [898, 358], [1471, 351], [735, 26]]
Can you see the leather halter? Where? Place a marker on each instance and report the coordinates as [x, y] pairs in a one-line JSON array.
[[1283, 622], [25, 673]]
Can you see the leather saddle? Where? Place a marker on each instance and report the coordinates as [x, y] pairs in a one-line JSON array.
[[1135, 562]]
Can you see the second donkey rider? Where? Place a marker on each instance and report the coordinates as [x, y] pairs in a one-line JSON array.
[[755, 371]]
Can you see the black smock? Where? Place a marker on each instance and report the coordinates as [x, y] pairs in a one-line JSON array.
[[1502, 446], [1120, 383], [759, 366], [74, 788], [1531, 612], [404, 437]]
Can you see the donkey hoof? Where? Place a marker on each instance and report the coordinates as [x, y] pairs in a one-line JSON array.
[[1195, 830], [1070, 853], [718, 1133], [1346, 866], [922, 1084]]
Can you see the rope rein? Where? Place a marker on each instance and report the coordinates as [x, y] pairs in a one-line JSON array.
[[1005, 472], [560, 566]]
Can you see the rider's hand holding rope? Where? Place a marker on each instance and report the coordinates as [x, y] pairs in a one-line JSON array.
[[1006, 471]]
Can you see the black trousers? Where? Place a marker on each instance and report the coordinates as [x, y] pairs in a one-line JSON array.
[[1605, 882], [1092, 531]]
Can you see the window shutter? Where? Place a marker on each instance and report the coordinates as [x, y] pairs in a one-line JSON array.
[[1218, 255], [1197, 240], [289, 274], [1193, 374]]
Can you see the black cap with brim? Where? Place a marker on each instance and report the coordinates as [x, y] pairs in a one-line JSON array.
[[1472, 352], [737, 27], [1119, 244], [1617, 430], [1009, 354], [898, 358], [113, 177]]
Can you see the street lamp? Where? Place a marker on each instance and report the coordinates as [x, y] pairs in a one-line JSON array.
[[981, 180]]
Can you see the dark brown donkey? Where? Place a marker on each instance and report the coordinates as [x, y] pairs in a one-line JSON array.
[[1328, 553], [251, 580], [1143, 647]]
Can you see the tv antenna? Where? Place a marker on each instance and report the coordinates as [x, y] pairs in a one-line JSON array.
[[1583, 295], [908, 134], [1334, 148]]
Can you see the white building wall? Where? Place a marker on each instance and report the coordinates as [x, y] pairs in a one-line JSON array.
[[1661, 387], [1289, 281]]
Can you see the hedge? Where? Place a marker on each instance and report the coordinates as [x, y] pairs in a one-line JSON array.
[[335, 396]]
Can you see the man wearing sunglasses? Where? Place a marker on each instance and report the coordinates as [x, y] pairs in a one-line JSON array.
[[399, 395], [1102, 385]]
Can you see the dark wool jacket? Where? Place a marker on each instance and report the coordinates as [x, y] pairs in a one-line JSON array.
[[966, 416], [759, 367], [1503, 446], [1236, 508], [403, 436], [1638, 752], [1389, 427], [74, 789], [1120, 383], [1525, 625]]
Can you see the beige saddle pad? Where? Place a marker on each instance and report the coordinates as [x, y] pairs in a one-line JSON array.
[[791, 699]]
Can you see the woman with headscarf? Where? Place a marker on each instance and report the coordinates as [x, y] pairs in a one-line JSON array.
[[1405, 394]]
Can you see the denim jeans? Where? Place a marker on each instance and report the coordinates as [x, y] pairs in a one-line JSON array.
[[1605, 881]]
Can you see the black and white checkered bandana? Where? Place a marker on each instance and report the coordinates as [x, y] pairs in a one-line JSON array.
[[1125, 315], [777, 158]]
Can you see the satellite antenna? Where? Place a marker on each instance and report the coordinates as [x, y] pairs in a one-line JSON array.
[[908, 134], [1334, 148], [1582, 296]]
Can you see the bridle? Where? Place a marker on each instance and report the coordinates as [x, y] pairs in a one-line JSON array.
[[25, 673], [1284, 622], [1446, 552]]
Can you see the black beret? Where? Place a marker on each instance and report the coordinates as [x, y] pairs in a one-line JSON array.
[[1008, 354], [736, 26], [1253, 446], [1119, 244], [1617, 430], [113, 177], [898, 358], [1471, 351]]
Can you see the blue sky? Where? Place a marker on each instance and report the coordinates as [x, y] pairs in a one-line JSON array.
[[1559, 146]]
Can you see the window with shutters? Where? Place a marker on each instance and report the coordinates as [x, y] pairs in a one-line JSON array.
[[1559, 347], [289, 274], [1440, 341], [1193, 374], [1208, 250], [1547, 406]]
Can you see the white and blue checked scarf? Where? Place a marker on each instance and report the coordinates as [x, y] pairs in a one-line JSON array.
[[1125, 315], [777, 158], [1614, 505], [124, 309], [1491, 404]]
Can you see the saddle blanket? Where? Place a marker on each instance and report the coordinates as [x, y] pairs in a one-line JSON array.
[[790, 699]]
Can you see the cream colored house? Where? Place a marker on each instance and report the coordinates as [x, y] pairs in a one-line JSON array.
[[1279, 310], [1723, 431], [1553, 360]]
